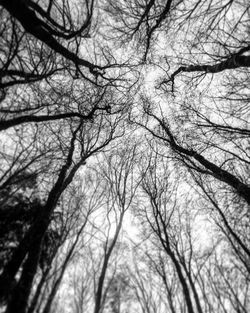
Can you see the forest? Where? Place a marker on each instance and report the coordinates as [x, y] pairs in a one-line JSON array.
[[124, 156]]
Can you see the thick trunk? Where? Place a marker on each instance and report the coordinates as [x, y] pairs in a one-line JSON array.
[[30, 245], [20, 295], [7, 279]]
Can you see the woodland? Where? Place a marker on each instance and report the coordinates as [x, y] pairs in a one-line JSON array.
[[124, 156]]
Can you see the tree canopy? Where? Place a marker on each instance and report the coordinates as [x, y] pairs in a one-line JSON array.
[[125, 159]]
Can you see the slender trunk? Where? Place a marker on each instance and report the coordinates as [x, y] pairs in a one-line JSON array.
[[196, 297], [59, 279], [54, 291], [182, 281], [38, 291], [99, 292], [242, 189], [37, 119], [225, 221]]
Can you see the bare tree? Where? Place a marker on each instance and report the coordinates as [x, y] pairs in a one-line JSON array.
[[61, 26], [139, 21], [121, 185], [76, 156]]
